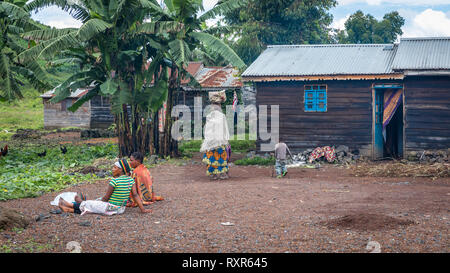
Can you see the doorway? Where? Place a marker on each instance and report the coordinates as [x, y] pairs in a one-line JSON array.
[[388, 121]]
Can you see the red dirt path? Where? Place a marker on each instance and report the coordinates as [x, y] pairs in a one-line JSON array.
[[312, 210]]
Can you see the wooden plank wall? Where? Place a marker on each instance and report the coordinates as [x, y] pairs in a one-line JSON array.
[[348, 120], [101, 116], [55, 117], [427, 106]]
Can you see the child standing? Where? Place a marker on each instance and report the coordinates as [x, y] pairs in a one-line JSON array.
[[280, 155]]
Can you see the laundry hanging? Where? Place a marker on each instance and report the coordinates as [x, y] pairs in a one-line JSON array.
[[392, 99]]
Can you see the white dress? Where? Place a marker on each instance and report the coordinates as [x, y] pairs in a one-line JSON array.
[[216, 132]]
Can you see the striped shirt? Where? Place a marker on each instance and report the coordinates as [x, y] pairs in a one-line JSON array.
[[122, 187]]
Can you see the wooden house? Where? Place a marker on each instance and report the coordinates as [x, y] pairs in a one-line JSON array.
[[94, 114], [381, 99]]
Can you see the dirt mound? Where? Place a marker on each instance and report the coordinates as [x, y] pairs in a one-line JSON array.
[[26, 134], [10, 218], [88, 169], [366, 222]]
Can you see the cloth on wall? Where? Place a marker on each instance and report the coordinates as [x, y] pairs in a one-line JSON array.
[[392, 99]]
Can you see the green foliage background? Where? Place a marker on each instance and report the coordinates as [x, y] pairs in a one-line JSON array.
[[25, 174]]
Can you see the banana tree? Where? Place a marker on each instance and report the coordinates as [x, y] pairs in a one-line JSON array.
[[14, 20], [114, 54], [179, 47]]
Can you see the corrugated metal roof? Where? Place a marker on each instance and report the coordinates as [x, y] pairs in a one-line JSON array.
[[423, 54], [76, 94], [335, 59]]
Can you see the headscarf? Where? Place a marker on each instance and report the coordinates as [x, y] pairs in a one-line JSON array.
[[217, 97], [82, 196], [123, 164]]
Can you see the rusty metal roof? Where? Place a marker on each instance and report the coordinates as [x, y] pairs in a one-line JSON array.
[[432, 53], [218, 77]]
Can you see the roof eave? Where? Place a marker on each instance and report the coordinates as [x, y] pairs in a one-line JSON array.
[[393, 76]]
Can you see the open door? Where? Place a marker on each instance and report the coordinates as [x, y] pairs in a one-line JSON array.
[[387, 121]]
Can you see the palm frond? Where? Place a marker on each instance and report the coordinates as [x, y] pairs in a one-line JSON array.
[[223, 8], [159, 27], [13, 11], [86, 97], [6, 90], [169, 5], [38, 78], [180, 51], [78, 12], [65, 41], [153, 7], [217, 46], [46, 34], [92, 28], [78, 80], [33, 52]]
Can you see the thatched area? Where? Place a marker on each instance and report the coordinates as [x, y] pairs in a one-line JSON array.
[[401, 169]]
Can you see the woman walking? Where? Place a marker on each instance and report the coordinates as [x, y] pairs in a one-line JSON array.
[[216, 138]]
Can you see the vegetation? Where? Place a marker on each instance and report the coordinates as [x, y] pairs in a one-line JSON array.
[[113, 46], [25, 113], [238, 146], [275, 22], [25, 174], [256, 160], [14, 21], [363, 28]]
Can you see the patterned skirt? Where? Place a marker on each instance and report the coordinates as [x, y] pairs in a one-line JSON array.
[[216, 160]]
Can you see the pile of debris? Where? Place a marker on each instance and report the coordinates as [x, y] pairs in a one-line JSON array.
[[437, 156], [342, 154], [401, 169]]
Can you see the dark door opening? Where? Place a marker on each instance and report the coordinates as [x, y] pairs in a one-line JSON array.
[[388, 121], [393, 135]]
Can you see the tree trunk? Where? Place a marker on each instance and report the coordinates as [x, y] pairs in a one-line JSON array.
[[169, 146]]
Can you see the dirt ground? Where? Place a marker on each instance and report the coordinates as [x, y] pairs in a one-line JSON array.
[[311, 210]]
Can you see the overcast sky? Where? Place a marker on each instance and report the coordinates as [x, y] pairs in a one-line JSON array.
[[423, 18]]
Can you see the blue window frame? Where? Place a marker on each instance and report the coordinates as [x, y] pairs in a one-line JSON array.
[[315, 98]]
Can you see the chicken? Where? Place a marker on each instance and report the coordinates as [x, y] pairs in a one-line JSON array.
[[63, 149], [4, 151], [44, 153]]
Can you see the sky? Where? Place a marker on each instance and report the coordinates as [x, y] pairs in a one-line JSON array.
[[423, 18]]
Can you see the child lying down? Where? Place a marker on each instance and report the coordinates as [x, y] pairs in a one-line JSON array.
[[73, 207], [115, 199]]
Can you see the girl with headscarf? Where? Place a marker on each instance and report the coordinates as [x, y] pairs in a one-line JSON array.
[[216, 137], [117, 193]]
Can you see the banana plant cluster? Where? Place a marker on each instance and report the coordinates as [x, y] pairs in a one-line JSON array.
[[133, 52], [14, 21]]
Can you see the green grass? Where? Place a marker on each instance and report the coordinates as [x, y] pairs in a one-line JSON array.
[[237, 146], [26, 113], [256, 160]]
